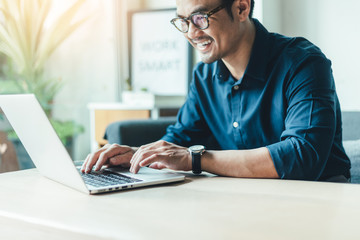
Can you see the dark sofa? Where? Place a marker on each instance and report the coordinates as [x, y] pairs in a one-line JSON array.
[[140, 132], [137, 132], [351, 141]]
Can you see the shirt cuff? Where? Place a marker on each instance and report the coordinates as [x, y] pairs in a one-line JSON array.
[[284, 158]]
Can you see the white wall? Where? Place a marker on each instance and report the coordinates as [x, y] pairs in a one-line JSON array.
[[272, 12], [160, 4]]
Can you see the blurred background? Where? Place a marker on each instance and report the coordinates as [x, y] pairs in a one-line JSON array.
[[84, 59]]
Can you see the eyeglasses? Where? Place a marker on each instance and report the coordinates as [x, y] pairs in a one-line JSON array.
[[199, 19]]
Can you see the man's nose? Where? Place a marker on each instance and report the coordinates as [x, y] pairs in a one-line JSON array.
[[193, 31]]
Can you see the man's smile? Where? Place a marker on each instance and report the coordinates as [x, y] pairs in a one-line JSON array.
[[202, 45]]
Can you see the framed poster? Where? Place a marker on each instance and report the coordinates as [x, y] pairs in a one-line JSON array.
[[160, 56]]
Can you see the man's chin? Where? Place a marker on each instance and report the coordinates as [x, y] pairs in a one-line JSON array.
[[208, 59]]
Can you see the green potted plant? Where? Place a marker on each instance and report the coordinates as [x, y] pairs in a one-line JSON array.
[[27, 40]]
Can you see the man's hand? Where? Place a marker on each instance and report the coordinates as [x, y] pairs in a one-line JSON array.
[[109, 155], [161, 154]]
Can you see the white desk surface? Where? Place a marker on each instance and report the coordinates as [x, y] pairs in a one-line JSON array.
[[33, 207]]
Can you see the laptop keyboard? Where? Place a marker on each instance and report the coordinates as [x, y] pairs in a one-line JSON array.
[[106, 178]]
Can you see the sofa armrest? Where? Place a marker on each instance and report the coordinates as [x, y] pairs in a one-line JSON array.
[[352, 149], [350, 125], [137, 132]]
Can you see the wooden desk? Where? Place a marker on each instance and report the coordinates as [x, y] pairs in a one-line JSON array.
[[200, 208]]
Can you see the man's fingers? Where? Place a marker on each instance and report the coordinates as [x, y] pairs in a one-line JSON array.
[[102, 156], [88, 161], [101, 161], [141, 154], [112, 151], [157, 165], [150, 160], [121, 160], [84, 163], [115, 155], [160, 154], [148, 149], [91, 157], [135, 167]]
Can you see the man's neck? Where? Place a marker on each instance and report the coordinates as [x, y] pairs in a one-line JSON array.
[[238, 61]]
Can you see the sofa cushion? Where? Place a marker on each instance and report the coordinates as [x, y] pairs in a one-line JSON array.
[[352, 149]]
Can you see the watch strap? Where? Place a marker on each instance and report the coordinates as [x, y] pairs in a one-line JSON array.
[[196, 163]]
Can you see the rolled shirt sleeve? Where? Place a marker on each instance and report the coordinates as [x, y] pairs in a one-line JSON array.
[[310, 123]]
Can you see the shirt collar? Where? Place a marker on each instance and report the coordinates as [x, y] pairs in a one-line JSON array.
[[258, 59], [221, 71], [259, 54]]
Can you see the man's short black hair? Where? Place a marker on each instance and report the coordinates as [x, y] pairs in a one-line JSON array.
[[229, 5]]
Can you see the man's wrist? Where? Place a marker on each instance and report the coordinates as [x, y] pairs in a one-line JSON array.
[[196, 152]]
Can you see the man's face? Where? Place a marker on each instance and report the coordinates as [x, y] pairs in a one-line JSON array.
[[219, 39]]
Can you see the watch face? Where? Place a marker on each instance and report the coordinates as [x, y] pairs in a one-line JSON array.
[[197, 148]]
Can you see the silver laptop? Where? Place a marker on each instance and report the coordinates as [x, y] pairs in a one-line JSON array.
[[50, 157]]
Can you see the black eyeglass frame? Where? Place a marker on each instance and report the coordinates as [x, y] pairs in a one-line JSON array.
[[205, 14]]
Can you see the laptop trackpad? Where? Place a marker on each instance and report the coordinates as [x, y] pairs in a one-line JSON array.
[[145, 173]]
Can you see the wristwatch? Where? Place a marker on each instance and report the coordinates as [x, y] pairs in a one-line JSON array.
[[196, 152]]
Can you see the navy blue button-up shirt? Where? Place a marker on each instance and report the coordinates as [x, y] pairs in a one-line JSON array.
[[286, 101]]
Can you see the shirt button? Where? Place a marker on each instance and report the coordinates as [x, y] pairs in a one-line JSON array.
[[236, 87], [235, 124]]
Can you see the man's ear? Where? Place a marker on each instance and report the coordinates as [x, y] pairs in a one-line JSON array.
[[242, 9]]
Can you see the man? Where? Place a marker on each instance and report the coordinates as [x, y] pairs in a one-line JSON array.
[[268, 102]]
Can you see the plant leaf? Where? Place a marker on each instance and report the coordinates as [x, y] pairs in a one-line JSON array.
[[58, 32]]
